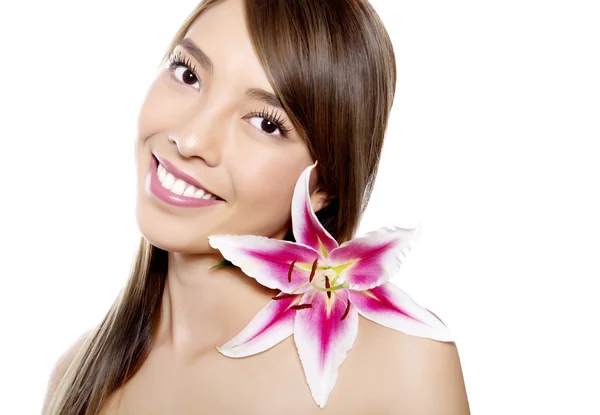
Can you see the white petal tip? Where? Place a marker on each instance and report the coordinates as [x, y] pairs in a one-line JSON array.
[[232, 352], [224, 351], [321, 402], [441, 333], [212, 239]]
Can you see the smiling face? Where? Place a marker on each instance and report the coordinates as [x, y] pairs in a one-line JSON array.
[[204, 119]]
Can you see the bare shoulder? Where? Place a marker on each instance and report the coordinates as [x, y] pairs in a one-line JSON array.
[[60, 367], [412, 374]]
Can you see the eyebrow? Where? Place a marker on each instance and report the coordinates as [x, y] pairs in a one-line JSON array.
[[251, 93]]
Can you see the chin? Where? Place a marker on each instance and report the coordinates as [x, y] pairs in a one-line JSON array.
[[172, 234]]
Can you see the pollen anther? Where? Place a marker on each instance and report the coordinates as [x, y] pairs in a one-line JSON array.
[[301, 306], [347, 309], [314, 268], [282, 296], [290, 271]]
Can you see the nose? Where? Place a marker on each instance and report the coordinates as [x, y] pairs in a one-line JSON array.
[[200, 138]]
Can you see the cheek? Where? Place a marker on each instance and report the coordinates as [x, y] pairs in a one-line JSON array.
[[268, 184], [147, 123], [160, 108]]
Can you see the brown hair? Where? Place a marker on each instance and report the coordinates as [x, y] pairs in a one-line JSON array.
[[332, 65]]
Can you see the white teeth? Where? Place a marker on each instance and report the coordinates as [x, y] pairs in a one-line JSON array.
[[161, 172], [189, 191], [179, 187], [168, 181]]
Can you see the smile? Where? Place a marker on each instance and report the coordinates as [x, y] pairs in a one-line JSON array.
[[172, 186]]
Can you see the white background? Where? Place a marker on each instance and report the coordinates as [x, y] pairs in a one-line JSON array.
[[492, 144]]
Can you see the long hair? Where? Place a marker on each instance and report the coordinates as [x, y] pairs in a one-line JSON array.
[[332, 66]]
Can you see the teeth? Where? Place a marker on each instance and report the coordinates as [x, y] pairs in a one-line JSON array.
[[161, 172], [180, 187], [168, 181], [189, 191]]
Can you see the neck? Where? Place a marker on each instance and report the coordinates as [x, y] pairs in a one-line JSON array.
[[202, 308]]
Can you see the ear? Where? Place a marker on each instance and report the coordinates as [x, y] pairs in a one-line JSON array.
[[320, 199]]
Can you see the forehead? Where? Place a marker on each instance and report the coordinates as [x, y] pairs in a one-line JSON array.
[[221, 33]]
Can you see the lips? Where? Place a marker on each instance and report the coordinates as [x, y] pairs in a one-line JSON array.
[[183, 176]]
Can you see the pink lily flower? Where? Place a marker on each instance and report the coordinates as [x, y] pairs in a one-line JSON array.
[[324, 286]]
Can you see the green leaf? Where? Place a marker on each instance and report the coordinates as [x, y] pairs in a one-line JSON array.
[[224, 263]]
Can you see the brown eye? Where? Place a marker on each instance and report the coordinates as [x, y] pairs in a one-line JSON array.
[[266, 126], [186, 75], [270, 123]]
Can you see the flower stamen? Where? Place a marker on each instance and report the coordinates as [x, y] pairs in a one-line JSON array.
[[327, 286], [290, 271], [347, 309], [282, 296], [301, 306], [300, 286], [345, 284], [312, 271]]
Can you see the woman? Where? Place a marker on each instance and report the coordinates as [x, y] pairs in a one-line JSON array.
[[253, 92]]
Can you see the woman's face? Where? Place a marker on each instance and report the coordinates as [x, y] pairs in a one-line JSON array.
[[205, 120]]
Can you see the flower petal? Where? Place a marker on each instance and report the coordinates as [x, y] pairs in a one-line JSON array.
[[305, 225], [272, 324], [389, 306], [268, 260], [374, 257], [323, 340]]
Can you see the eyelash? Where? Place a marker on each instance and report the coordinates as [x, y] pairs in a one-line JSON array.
[[177, 59]]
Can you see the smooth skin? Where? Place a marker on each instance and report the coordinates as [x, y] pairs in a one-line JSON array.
[[254, 169]]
